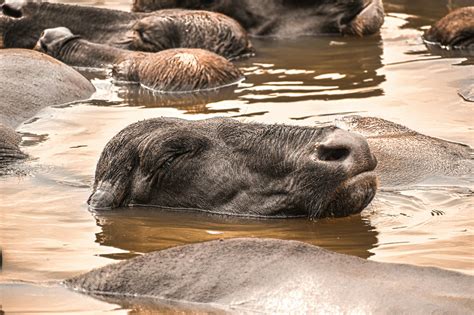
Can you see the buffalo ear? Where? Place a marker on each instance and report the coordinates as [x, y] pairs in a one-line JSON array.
[[12, 10]]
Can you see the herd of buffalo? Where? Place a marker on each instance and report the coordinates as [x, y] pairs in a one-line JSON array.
[[228, 167]]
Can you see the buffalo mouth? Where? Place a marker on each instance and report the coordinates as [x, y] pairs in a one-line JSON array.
[[352, 196]]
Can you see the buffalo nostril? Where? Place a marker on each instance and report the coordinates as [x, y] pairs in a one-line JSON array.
[[333, 154], [12, 10]]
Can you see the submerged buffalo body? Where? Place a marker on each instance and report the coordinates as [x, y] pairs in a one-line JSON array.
[[406, 157], [21, 27], [171, 70], [25, 89], [275, 276], [224, 166], [288, 17], [455, 30]]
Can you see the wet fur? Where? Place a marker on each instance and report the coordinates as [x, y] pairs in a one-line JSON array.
[[184, 29], [170, 29], [183, 70], [171, 70], [455, 30], [288, 17]]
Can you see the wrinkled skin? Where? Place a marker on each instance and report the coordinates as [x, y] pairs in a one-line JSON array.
[[275, 276], [288, 17], [25, 89], [407, 157], [455, 30], [21, 27], [172, 70], [224, 166]]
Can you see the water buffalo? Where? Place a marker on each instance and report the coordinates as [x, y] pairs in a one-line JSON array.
[[288, 17], [275, 276], [21, 27], [25, 89], [171, 70], [224, 166], [455, 30], [407, 157]]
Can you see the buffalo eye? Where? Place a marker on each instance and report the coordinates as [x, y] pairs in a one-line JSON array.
[[176, 148], [169, 161], [144, 36], [173, 157]]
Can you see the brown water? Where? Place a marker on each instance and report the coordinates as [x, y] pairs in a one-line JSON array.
[[47, 233]]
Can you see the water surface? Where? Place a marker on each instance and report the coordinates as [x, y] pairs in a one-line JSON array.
[[47, 234]]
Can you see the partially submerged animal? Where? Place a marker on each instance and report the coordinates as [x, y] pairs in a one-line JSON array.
[[276, 276], [228, 167], [406, 157], [287, 18], [224, 166], [454, 31], [21, 26], [171, 70], [29, 81]]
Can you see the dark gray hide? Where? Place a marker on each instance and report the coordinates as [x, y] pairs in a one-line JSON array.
[[407, 157], [135, 31], [276, 276], [288, 17], [25, 89], [224, 166]]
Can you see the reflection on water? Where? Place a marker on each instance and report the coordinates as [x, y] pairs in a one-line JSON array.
[[425, 10], [191, 103], [147, 229], [48, 234], [334, 68], [26, 298]]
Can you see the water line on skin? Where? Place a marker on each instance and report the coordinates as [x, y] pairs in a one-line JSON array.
[[132, 205], [242, 79]]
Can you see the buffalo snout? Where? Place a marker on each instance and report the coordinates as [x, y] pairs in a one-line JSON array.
[[350, 150], [349, 163]]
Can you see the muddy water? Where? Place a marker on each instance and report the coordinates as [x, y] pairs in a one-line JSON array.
[[47, 233]]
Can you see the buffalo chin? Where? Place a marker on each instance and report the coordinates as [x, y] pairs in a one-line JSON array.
[[352, 196]]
